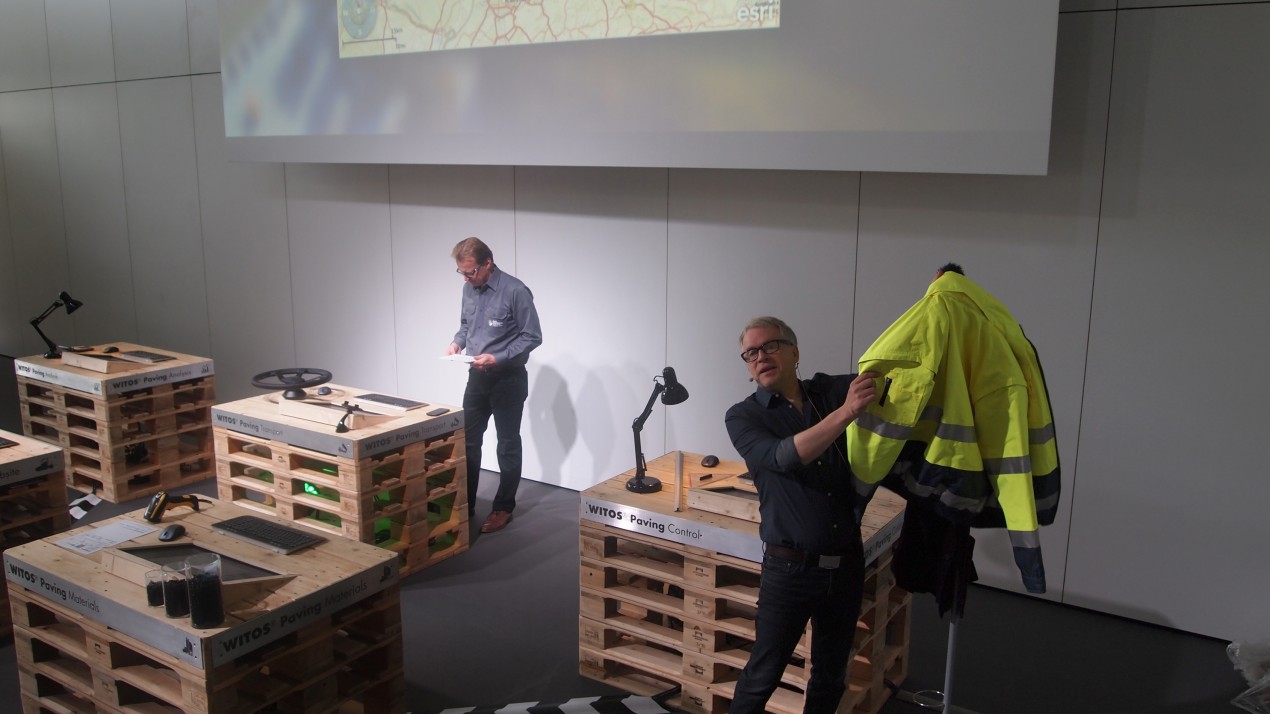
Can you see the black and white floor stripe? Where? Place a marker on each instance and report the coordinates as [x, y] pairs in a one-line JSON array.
[[614, 704]]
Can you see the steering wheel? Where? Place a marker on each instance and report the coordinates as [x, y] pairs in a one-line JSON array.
[[293, 380]]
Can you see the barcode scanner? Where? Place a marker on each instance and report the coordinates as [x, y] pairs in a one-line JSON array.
[[162, 501]]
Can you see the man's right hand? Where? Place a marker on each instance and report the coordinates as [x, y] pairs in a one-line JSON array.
[[453, 349], [861, 393]]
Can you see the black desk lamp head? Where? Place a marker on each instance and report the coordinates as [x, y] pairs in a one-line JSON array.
[[63, 300], [672, 392]]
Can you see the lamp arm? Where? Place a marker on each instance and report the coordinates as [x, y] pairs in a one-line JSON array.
[[35, 321], [53, 351], [638, 425]]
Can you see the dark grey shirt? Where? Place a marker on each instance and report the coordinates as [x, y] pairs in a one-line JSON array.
[[499, 318], [810, 507]]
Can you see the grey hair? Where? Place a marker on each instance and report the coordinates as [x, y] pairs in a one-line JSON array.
[[786, 332]]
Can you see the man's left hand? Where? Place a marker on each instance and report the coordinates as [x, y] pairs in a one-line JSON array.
[[484, 361]]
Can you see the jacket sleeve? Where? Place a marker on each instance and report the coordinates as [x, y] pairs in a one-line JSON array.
[[909, 353]]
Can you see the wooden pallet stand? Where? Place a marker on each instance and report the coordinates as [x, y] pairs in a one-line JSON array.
[[126, 434], [398, 480], [323, 636], [33, 501], [656, 613]]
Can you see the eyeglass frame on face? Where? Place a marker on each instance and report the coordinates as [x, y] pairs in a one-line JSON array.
[[770, 347], [473, 272]]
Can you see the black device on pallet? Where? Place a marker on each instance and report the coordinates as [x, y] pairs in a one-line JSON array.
[[268, 534]]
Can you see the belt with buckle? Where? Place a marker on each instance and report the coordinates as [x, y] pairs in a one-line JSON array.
[[828, 562]]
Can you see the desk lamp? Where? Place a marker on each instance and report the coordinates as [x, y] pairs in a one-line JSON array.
[[71, 304], [672, 392]]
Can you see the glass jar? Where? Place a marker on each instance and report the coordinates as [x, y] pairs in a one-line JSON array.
[[176, 592], [207, 608], [154, 588]]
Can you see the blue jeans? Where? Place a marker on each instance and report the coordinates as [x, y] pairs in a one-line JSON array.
[[500, 392], [790, 594]]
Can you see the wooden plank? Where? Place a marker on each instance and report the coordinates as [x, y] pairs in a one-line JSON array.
[[733, 503], [96, 362]]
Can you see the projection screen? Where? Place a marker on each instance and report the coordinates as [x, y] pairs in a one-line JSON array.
[[869, 85]]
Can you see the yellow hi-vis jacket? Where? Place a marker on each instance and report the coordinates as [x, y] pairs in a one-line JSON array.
[[966, 426]]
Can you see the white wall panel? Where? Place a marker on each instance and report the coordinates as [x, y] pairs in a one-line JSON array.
[[342, 272], [204, 37], [37, 230], [156, 123], [248, 271], [1085, 5], [591, 244], [1169, 523], [12, 317], [744, 244], [1028, 241], [434, 207], [91, 162], [151, 38], [24, 51], [80, 44]]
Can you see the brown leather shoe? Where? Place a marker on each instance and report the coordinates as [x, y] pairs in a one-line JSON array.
[[496, 521]]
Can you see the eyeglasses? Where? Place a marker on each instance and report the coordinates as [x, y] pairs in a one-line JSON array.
[[469, 273], [767, 348]]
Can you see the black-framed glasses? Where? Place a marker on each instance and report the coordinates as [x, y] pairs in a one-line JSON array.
[[766, 348], [469, 273]]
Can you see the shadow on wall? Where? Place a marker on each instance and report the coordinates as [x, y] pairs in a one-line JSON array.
[[608, 435], [554, 422], [558, 432]]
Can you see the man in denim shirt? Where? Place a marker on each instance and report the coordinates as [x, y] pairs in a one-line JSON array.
[[791, 434], [498, 328]]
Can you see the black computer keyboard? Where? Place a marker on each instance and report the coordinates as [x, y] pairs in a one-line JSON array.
[[267, 534]]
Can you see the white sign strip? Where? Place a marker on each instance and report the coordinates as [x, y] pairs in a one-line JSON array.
[[30, 467]]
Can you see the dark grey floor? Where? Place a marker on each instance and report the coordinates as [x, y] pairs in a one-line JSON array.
[[498, 624]]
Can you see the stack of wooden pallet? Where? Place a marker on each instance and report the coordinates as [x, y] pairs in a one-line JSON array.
[[318, 630], [125, 435], [656, 615], [406, 491], [32, 497]]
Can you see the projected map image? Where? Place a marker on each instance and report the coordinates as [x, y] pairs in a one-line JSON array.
[[380, 27]]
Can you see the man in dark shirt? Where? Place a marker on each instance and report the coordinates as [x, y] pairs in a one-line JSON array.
[[498, 327], [791, 433]]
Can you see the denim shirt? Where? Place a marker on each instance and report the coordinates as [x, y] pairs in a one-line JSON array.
[[499, 318], [810, 507]]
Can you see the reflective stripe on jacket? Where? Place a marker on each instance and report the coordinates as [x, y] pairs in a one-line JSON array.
[[966, 426]]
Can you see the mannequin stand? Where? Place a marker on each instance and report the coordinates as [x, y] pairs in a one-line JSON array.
[[933, 699]]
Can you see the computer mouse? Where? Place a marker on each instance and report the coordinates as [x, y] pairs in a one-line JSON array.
[[172, 532], [109, 348], [710, 461], [323, 391]]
